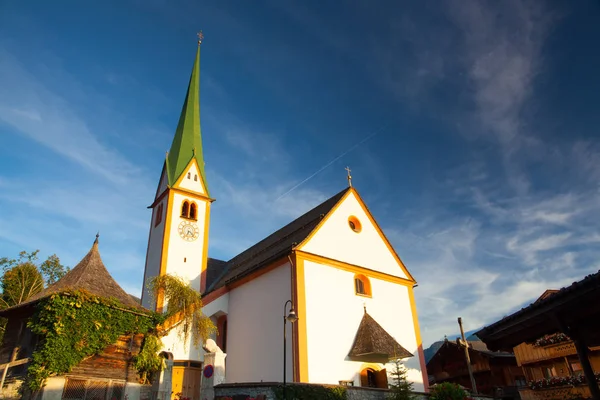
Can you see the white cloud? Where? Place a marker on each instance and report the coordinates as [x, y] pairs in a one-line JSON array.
[[30, 107]]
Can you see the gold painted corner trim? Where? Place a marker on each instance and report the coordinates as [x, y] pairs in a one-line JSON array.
[[381, 234], [165, 249], [413, 306], [356, 269], [205, 248], [302, 327]]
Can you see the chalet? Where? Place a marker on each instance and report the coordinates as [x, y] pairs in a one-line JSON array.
[[107, 375], [556, 341], [496, 373]]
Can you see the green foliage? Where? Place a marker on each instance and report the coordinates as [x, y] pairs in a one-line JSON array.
[[52, 269], [148, 361], [19, 283], [400, 387], [76, 325], [310, 392], [184, 301], [447, 391]]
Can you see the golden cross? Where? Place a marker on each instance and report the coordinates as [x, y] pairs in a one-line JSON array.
[[349, 177], [200, 37]]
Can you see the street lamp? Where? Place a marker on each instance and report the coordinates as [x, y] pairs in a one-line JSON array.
[[292, 317]]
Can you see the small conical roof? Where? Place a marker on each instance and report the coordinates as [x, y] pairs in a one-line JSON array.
[[372, 341], [90, 275], [187, 142]]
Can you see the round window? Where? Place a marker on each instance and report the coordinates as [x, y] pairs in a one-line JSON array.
[[354, 224]]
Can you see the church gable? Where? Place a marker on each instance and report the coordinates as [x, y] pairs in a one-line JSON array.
[[191, 179], [350, 234]]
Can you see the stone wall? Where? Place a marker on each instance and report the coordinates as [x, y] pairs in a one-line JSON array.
[[264, 391]]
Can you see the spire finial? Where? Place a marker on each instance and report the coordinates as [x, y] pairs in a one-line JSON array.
[[97, 236], [200, 37], [349, 176], [365, 307]]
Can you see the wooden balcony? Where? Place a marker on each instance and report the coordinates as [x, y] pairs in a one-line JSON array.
[[559, 392]]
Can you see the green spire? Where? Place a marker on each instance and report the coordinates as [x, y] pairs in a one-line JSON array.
[[187, 142]]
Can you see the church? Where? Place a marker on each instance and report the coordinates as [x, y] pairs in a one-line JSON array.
[[325, 299], [329, 281]]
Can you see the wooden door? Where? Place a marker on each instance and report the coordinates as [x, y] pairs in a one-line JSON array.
[[186, 380], [177, 381]]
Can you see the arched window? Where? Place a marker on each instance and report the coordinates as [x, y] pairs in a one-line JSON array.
[[195, 178], [158, 218], [193, 212], [362, 286], [185, 209], [189, 175]]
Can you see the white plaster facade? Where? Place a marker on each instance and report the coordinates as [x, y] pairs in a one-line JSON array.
[[192, 180], [184, 258], [337, 241], [333, 314], [255, 330]]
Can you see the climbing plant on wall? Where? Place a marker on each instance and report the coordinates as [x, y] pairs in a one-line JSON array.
[[73, 325]]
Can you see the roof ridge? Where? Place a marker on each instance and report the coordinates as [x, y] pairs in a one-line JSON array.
[[273, 240]]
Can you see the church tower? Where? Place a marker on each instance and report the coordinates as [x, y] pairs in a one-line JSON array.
[[178, 242]]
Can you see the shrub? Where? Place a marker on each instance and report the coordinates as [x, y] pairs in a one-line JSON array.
[[448, 391], [310, 392]]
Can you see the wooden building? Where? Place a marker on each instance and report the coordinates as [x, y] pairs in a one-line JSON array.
[[495, 373], [551, 362], [107, 375]]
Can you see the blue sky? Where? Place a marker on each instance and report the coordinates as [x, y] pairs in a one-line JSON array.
[[482, 157]]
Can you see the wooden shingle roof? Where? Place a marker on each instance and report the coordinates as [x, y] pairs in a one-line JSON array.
[[374, 343], [89, 275]]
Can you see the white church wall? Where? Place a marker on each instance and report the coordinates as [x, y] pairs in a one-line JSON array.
[[337, 241], [333, 314], [153, 255], [190, 183], [182, 350], [217, 307], [255, 329], [185, 258]]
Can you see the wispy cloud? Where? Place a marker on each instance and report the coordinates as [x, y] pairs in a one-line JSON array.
[[48, 118]]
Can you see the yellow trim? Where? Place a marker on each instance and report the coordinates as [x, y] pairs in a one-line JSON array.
[[366, 283], [413, 307], [356, 222], [165, 249], [205, 250], [302, 331], [185, 192], [185, 172], [373, 222], [381, 234], [356, 269], [376, 367], [322, 222]]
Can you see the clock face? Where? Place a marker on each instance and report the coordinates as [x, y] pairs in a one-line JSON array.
[[188, 231]]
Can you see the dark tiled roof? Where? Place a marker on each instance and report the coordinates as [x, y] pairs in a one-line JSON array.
[[90, 275], [275, 246], [214, 268], [372, 340]]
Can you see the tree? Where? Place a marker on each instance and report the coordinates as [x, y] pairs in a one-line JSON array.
[[400, 387], [185, 304], [52, 270], [23, 278]]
